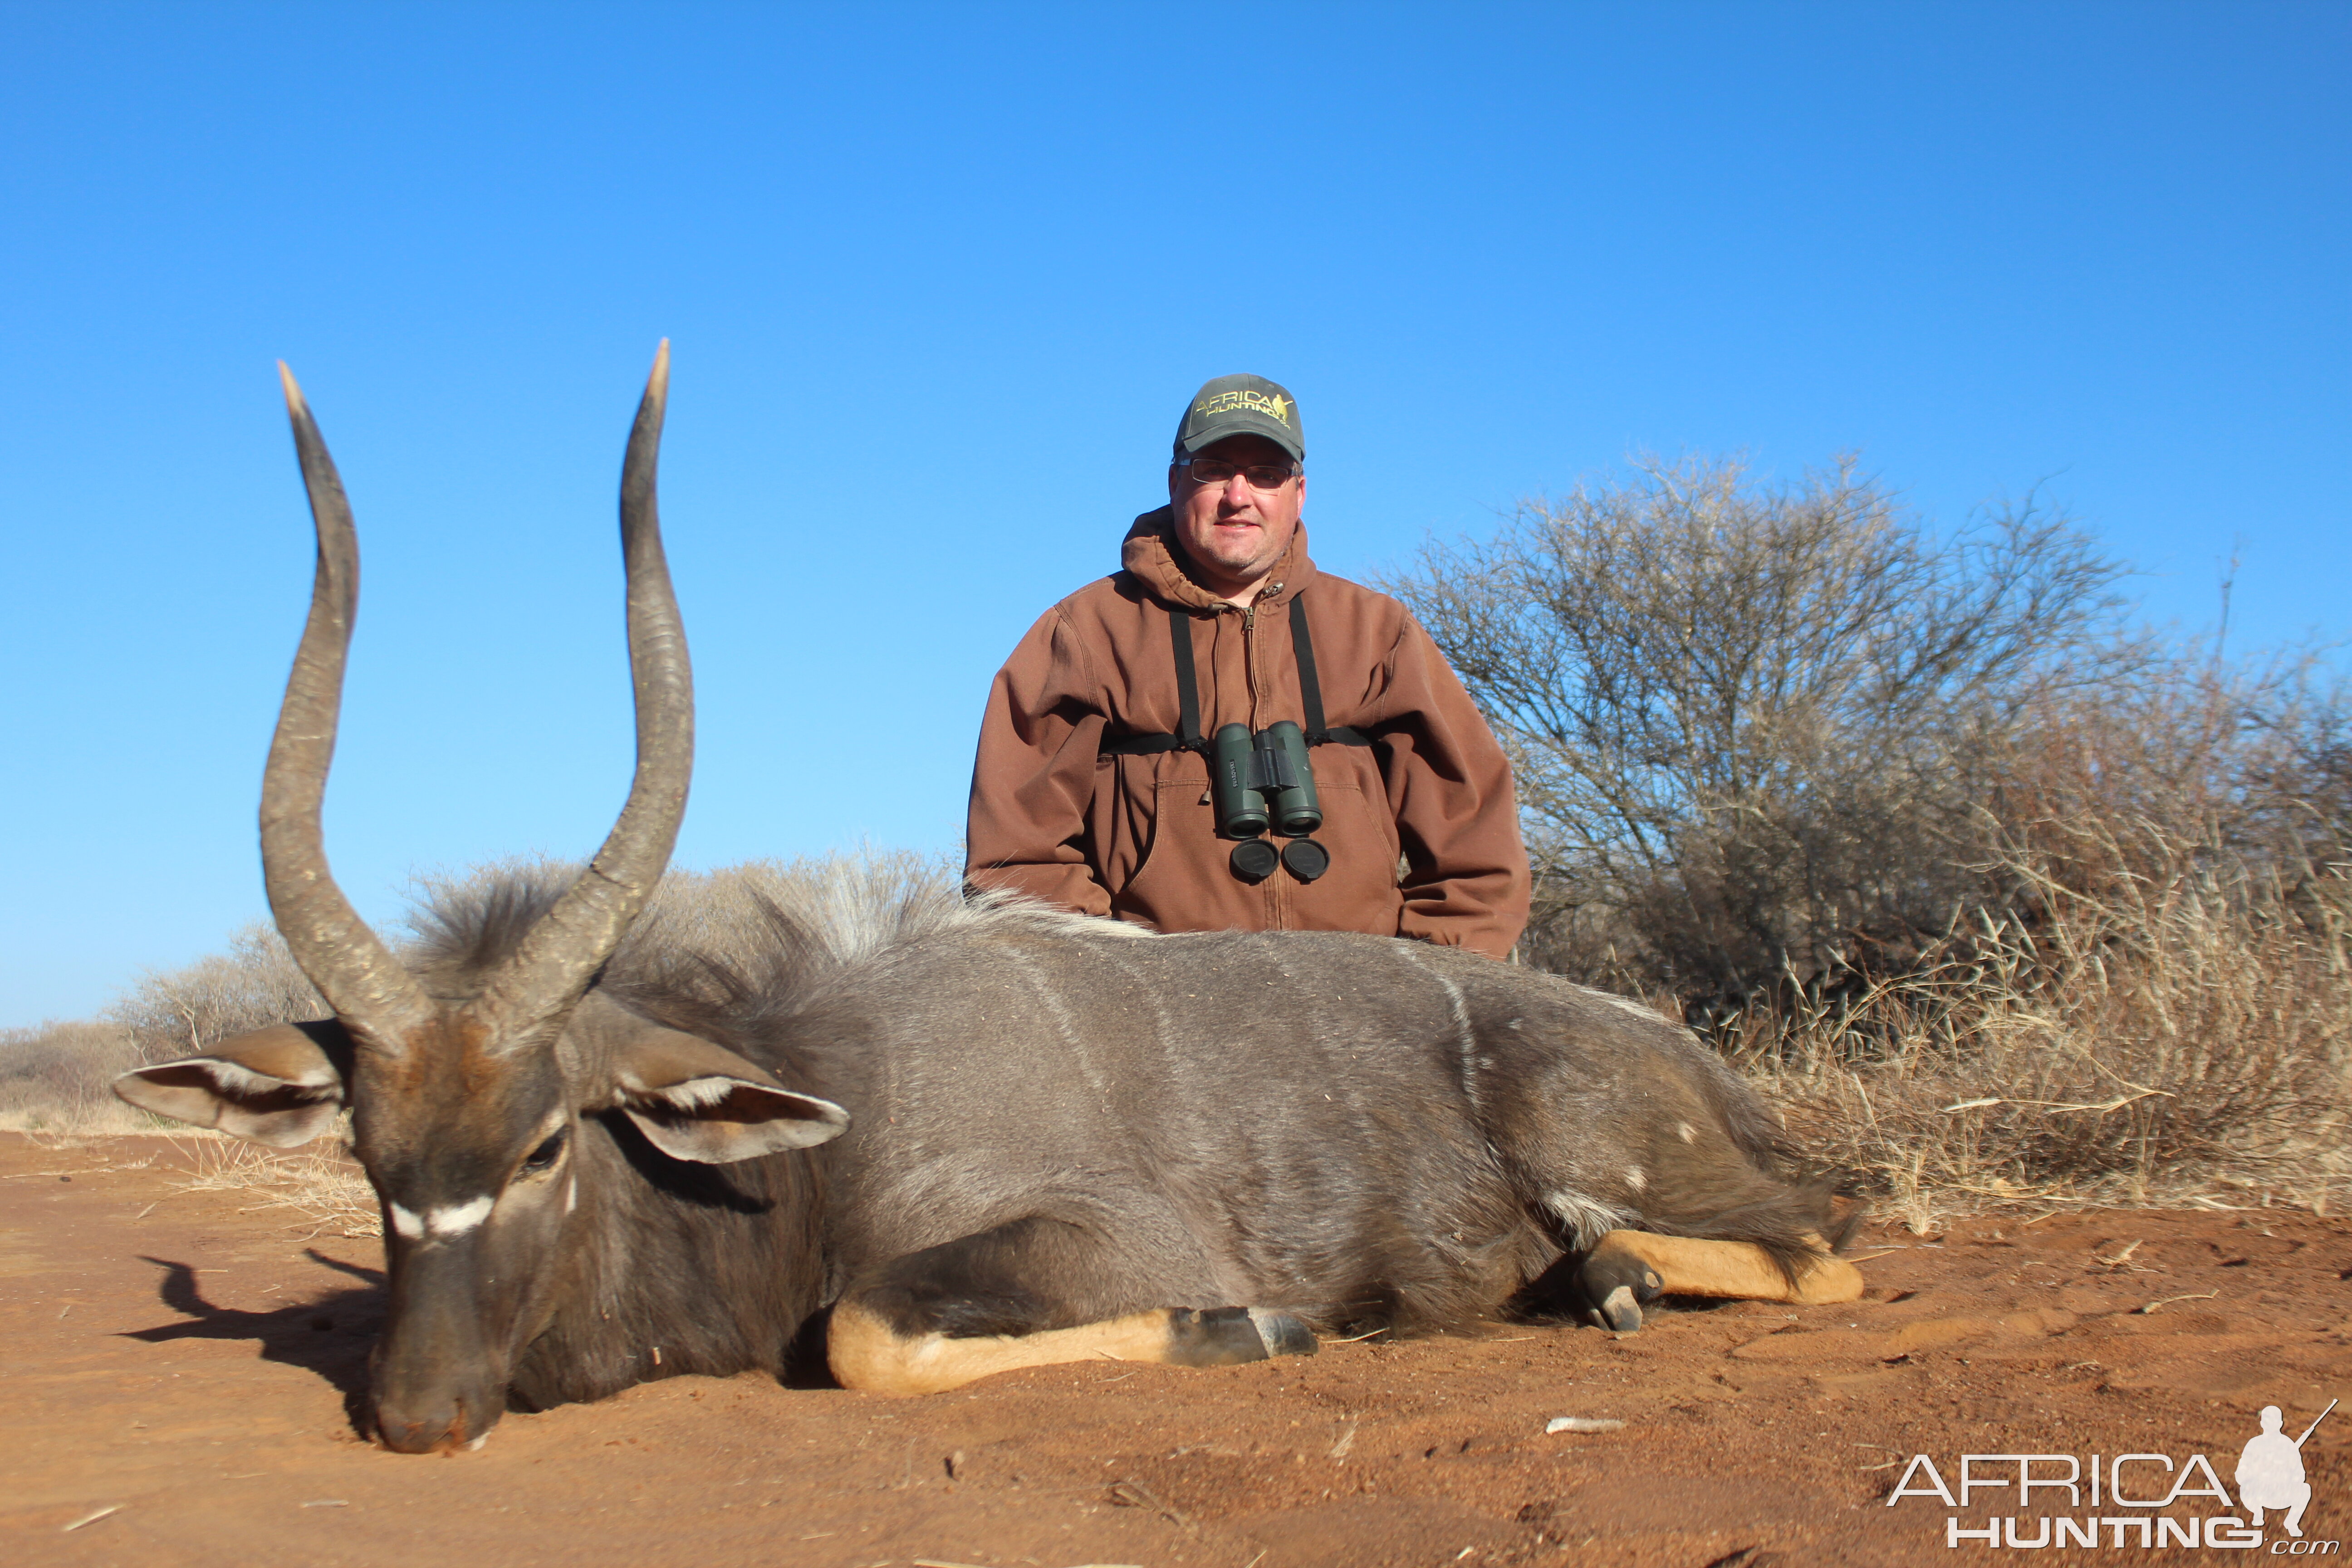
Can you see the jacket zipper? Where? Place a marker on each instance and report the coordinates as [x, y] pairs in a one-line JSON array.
[[1249, 659]]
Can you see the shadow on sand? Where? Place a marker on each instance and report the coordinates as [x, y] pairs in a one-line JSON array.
[[330, 1336]]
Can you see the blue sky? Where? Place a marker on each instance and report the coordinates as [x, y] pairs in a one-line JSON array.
[[938, 279]]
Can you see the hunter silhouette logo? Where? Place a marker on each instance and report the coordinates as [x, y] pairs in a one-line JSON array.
[[2128, 1497], [2270, 1472]]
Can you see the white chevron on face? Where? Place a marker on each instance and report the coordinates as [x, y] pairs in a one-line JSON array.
[[456, 1219], [440, 1224]]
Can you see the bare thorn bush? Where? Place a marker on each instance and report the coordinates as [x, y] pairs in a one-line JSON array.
[[180, 1012], [1751, 725], [2005, 902], [53, 1079]]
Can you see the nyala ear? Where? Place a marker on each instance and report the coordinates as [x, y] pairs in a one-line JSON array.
[[698, 1101], [281, 1086]]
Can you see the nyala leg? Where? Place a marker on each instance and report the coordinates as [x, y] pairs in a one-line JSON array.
[[1628, 1269], [986, 1303]]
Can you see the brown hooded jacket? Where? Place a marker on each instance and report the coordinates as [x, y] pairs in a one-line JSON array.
[[1135, 837]]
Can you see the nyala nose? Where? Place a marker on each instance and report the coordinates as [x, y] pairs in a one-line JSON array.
[[443, 1425]]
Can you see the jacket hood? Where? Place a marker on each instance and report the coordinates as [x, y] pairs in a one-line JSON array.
[[1151, 555]]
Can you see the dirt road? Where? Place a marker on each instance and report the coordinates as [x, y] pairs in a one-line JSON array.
[[191, 1363]]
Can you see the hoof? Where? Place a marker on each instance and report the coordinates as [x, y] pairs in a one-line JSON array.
[[1284, 1334], [1229, 1336], [1615, 1289]]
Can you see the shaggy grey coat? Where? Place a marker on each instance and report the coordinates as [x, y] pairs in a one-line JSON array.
[[1362, 1131]]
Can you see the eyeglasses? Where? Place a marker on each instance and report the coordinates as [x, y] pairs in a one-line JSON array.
[[1261, 476]]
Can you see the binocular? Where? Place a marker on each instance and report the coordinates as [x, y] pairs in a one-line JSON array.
[[1264, 781]]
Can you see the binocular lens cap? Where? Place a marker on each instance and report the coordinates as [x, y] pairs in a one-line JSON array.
[[1305, 858], [1253, 860]]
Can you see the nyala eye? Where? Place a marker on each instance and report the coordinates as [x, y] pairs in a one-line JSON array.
[[545, 1155]]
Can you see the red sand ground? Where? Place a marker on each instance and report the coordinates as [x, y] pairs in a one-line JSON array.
[[190, 1362]]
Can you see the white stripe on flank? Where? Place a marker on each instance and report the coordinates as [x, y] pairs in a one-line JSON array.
[[1465, 1040], [1066, 1024], [1469, 1043]]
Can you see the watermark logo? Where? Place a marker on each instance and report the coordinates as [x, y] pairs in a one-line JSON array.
[[2270, 1477]]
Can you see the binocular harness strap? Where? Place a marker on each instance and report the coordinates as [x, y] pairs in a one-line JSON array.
[[1188, 679], [1310, 690], [1188, 695]]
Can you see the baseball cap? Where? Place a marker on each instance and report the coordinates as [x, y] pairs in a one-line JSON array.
[[1242, 406]]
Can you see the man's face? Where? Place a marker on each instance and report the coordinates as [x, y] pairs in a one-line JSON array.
[[1234, 531]]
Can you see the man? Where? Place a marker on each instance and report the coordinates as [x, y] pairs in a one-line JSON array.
[[1092, 788]]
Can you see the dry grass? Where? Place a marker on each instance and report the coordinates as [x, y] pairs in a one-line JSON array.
[[2177, 1038], [321, 1182], [2154, 1007], [321, 1186]]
